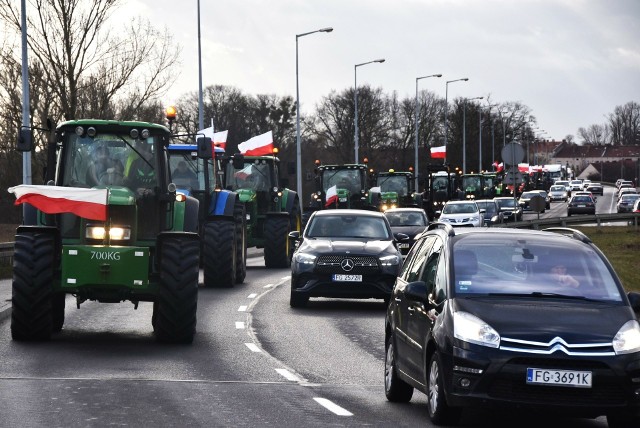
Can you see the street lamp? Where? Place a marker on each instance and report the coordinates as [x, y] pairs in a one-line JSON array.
[[416, 161], [446, 109], [464, 132], [298, 149], [355, 96]]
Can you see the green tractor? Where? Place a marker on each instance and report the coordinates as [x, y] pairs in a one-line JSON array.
[[108, 227], [394, 190], [221, 217], [340, 186], [272, 211]]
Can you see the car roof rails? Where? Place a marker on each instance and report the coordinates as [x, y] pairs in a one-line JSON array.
[[441, 225], [567, 231]]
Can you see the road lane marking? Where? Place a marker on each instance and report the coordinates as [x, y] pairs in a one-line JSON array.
[[252, 347], [252, 296], [268, 286], [242, 308], [284, 278], [332, 407], [288, 375], [240, 325]]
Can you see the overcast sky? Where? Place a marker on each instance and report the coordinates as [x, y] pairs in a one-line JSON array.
[[570, 61]]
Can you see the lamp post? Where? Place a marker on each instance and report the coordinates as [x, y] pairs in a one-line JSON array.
[[298, 149], [416, 161], [446, 109], [355, 97], [464, 132]]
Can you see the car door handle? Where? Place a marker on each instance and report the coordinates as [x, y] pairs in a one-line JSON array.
[[411, 309], [397, 299]]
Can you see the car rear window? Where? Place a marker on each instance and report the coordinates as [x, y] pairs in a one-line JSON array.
[[527, 265]]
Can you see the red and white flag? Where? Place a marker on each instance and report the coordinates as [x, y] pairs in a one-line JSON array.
[[86, 203], [258, 146], [439, 152], [218, 139], [332, 196]]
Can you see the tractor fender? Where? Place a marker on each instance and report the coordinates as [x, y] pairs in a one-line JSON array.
[[222, 203], [289, 198], [185, 215]]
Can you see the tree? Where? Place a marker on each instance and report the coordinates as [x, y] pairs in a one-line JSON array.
[[624, 124], [596, 135], [90, 70]]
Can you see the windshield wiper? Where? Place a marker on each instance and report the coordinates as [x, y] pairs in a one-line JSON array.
[[541, 294]]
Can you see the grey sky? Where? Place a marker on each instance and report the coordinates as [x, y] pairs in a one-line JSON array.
[[571, 61]]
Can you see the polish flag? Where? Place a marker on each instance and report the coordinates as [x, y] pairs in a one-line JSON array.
[[439, 152], [258, 146], [218, 139], [332, 196], [86, 203]]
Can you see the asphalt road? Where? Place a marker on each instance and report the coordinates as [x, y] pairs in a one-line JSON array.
[[254, 362]]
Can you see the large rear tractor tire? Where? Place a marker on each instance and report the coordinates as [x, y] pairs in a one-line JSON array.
[[276, 242], [33, 270], [174, 317], [241, 242], [219, 253]]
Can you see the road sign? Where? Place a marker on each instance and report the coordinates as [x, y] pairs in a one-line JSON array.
[[512, 176], [537, 203], [512, 154]]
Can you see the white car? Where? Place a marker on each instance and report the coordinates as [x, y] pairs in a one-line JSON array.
[[575, 185], [461, 213], [558, 192]]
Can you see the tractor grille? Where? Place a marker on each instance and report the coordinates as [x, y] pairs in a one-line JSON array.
[[362, 264]]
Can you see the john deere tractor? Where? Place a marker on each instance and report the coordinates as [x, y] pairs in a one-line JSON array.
[[340, 186], [272, 211], [135, 239], [221, 217], [393, 189]]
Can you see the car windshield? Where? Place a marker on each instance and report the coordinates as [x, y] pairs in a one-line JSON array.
[[460, 208], [557, 189], [348, 226], [398, 218], [581, 198], [534, 265], [506, 203]]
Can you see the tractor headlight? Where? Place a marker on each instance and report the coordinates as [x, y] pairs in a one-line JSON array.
[[116, 233]]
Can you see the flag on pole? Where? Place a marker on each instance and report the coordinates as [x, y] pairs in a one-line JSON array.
[[332, 196], [86, 203], [258, 146], [439, 152], [218, 139]]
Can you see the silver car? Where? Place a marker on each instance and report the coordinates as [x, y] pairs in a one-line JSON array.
[[558, 193], [461, 213]]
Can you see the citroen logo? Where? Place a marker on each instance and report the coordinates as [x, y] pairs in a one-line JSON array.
[[347, 265]]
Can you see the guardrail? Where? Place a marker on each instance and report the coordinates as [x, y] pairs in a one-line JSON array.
[[630, 219]]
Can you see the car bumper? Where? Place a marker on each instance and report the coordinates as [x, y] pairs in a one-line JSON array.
[[581, 210], [323, 285], [503, 381]]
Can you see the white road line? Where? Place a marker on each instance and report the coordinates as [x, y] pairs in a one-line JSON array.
[[268, 286], [332, 407], [288, 375], [284, 278], [252, 347], [252, 296], [240, 325], [242, 308]]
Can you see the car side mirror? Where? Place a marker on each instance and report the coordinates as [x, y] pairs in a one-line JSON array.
[[634, 299], [401, 237], [294, 235], [416, 291]]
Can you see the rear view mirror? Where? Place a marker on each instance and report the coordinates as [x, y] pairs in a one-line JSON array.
[[25, 140], [238, 161], [205, 150]]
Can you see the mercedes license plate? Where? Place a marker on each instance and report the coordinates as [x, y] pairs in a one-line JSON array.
[[403, 245], [559, 377], [347, 278]]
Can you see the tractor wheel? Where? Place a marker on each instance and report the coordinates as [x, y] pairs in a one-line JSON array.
[[174, 314], [33, 259], [276, 242], [57, 311], [219, 253], [241, 241]]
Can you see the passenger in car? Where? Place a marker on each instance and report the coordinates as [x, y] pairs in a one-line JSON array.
[[560, 277]]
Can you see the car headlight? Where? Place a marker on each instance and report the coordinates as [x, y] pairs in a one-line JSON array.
[[305, 259], [472, 329], [627, 340], [392, 260]]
